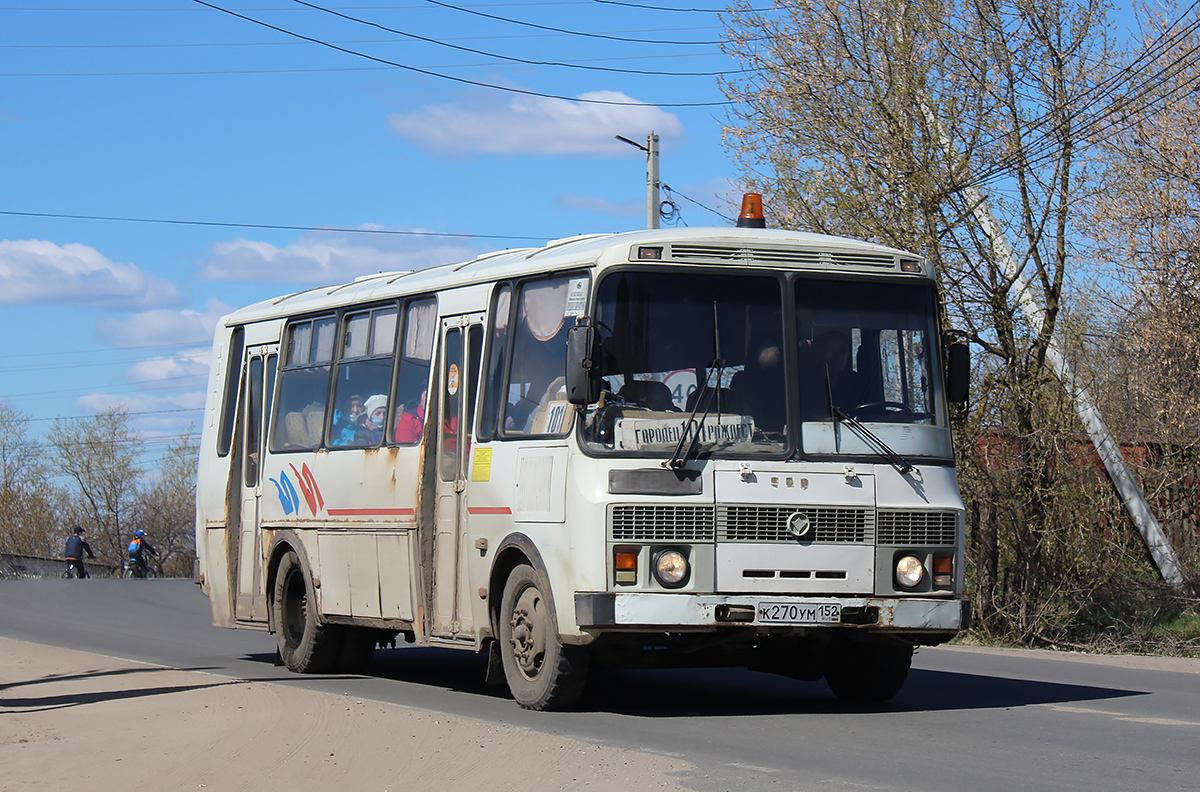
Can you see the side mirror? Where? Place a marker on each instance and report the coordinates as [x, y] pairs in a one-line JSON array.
[[958, 373], [583, 364]]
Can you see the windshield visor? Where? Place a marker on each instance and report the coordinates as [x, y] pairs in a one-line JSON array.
[[682, 344]]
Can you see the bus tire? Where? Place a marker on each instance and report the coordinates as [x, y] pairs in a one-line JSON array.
[[867, 672], [542, 674], [305, 645]]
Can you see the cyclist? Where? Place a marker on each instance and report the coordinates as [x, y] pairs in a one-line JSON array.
[[76, 547], [139, 548]]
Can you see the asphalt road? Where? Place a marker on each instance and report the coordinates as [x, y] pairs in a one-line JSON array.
[[968, 719]]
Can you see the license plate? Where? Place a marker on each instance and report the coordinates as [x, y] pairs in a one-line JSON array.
[[800, 612]]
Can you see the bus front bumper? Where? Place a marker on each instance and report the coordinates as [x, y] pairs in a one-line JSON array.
[[666, 611]]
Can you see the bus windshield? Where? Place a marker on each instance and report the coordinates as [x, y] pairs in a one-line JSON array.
[[724, 349]]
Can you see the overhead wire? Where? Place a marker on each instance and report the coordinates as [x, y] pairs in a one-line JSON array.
[[671, 191], [270, 226], [1142, 89], [511, 59], [648, 7], [451, 78], [580, 33]]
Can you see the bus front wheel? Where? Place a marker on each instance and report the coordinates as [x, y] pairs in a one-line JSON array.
[[305, 645], [867, 671], [541, 673]]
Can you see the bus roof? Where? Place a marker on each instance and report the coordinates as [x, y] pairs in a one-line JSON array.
[[722, 246]]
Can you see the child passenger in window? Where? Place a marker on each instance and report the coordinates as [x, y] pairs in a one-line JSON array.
[[370, 427], [412, 421]]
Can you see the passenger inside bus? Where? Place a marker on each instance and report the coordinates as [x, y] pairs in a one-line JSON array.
[[411, 421], [651, 394], [827, 373], [758, 390], [370, 427], [345, 423]]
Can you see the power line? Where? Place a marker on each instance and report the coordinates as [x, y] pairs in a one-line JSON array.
[[1142, 94], [582, 34], [726, 218], [509, 58], [461, 80], [267, 226], [683, 10], [129, 413]]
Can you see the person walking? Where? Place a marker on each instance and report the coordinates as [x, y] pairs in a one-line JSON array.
[[76, 547]]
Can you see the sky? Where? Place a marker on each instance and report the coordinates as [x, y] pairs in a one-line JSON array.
[[163, 162]]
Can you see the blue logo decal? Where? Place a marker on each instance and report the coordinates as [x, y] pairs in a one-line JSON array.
[[287, 493]]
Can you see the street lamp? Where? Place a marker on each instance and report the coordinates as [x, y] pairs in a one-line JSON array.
[[651, 149]]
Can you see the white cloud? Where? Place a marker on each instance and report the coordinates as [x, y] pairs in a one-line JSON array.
[[35, 271], [158, 416], [164, 326], [536, 125], [169, 371], [140, 403], [328, 257]]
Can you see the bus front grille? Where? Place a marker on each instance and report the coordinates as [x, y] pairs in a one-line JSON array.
[[826, 525], [661, 523], [917, 527], [770, 524]]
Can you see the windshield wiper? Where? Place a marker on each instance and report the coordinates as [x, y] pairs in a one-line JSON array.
[[900, 463], [692, 429]]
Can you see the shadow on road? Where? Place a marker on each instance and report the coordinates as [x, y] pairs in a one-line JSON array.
[[56, 701], [724, 692]]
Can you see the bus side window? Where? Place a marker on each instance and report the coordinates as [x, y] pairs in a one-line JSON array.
[[537, 385], [304, 385], [412, 380], [233, 370], [497, 352], [363, 374]]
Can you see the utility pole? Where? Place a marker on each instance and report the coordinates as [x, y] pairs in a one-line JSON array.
[[651, 149], [1106, 446]]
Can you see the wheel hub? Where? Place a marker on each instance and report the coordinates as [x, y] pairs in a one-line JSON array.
[[529, 632]]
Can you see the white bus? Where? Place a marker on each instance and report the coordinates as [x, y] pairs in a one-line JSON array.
[[702, 446]]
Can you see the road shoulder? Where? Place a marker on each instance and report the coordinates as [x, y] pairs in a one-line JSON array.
[[71, 718]]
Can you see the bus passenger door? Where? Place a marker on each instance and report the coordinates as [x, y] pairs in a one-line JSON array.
[[258, 385], [462, 342]]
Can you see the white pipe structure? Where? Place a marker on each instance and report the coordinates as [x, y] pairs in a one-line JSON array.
[[1110, 454]]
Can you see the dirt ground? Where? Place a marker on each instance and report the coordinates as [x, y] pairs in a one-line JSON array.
[[71, 720]]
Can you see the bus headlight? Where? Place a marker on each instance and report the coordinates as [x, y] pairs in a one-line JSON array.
[[671, 568], [910, 571]]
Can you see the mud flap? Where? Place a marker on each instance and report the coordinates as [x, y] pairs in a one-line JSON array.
[[495, 666]]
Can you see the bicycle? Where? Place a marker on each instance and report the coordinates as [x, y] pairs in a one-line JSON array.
[[75, 569], [134, 570]]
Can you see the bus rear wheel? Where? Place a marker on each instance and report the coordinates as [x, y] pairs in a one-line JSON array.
[[867, 671], [305, 645], [542, 674]]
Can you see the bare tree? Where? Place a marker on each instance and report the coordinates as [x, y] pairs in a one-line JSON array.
[[887, 120], [167, 508], [27, 516], [1149, 213], [99, 454]]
